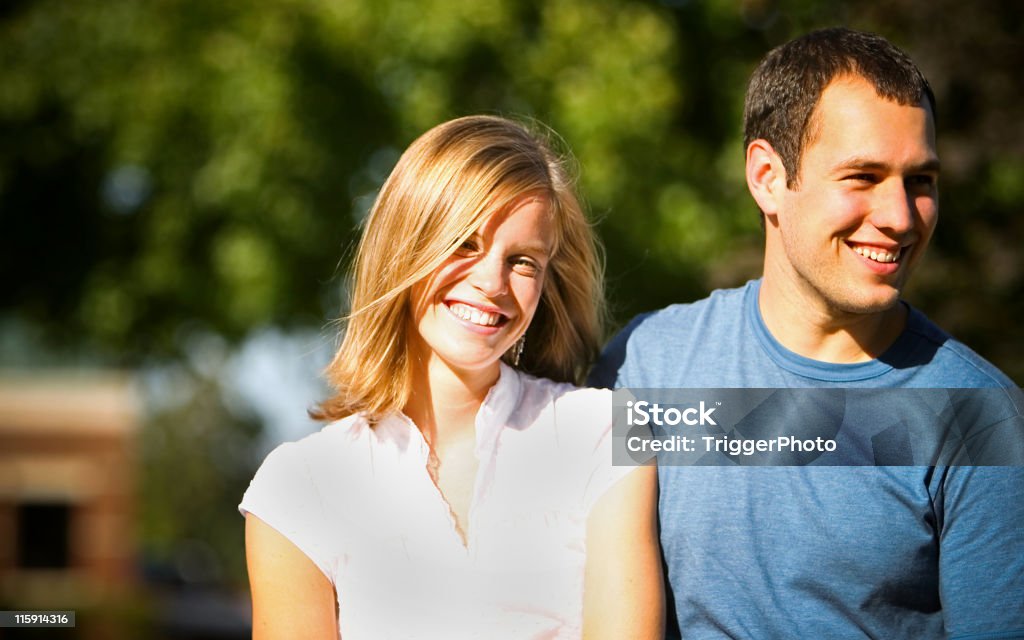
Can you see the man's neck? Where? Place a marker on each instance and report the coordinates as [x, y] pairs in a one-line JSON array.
[[807, 326]]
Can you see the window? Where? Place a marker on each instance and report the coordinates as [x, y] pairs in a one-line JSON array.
[[43, 535]]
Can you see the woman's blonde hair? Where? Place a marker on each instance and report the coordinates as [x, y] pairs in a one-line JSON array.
[[443, 187]]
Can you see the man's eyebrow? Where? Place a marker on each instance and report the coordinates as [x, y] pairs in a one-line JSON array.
[[932, 165]]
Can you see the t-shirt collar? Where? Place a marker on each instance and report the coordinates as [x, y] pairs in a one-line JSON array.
[[798, 364]]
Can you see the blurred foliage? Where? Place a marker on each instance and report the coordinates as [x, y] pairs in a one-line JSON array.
[[184, 161], [198, 458], [176, 168]]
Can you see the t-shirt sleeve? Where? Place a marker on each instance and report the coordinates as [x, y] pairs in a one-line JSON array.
[[611, 369], [282, 495], [981, 557]]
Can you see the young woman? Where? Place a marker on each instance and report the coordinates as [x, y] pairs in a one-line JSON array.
[[464, 488]]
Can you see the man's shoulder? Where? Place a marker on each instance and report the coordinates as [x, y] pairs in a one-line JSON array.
[[680, 320], [670, 338], [950, 362]]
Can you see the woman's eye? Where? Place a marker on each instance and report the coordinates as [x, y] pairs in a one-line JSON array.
[[526, 266], [467, 247]]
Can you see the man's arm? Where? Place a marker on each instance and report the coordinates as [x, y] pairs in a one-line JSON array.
[[981, 552]]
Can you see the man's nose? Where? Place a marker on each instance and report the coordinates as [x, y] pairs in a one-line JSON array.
[[896, 209]]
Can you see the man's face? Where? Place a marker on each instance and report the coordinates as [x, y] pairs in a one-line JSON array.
[[858, 220]]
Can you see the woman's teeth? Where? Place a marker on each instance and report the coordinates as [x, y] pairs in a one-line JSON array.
[[474, 315], [879, 256]]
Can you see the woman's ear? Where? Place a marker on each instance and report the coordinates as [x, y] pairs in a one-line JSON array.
[[766, 177]]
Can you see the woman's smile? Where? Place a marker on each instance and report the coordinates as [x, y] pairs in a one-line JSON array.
[[480, 300]]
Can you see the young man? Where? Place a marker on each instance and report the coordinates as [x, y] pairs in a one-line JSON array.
[[841, 159]]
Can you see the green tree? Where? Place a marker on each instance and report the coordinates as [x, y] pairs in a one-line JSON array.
[[181, 162]]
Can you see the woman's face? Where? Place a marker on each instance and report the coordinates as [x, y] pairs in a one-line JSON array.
[[474, 306]]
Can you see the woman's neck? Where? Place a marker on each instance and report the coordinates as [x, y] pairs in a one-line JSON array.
[[444, 402]]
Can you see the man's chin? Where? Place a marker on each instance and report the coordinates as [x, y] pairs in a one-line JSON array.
[[865, 300], [869, 305]]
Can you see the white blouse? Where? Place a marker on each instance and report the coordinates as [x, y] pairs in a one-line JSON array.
[[360, 503]]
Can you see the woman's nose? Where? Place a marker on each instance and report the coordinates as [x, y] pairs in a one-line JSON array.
[[490, 276]]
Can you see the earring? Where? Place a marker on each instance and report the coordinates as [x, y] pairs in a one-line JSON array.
[[517, 350]]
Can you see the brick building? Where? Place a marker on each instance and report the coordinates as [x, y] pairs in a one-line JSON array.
[[67, 486]]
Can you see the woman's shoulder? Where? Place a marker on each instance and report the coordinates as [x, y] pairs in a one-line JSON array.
[[339, 433], [566, 405], [327, 448], [565, 394], [567, 428]]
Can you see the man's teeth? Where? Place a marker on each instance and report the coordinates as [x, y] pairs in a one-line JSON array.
[[879, 256], [475, 315]]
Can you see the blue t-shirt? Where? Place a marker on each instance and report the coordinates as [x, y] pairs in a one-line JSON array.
[[825, 552]]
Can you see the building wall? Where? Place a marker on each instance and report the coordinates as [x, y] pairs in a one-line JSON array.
[[67, 489]]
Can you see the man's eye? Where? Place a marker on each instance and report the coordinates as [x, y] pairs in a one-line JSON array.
[[922, 180], [863, 177]]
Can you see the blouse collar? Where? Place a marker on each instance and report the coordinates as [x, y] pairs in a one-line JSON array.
[[501, 401], [494, 413]]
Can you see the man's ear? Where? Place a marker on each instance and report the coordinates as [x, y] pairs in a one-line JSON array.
[[766, 177]]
